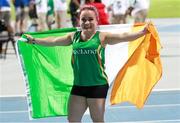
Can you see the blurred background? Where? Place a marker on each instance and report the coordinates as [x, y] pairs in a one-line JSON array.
[[20, 16]]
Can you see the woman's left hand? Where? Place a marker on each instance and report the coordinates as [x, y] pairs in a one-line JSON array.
[[146, 30]]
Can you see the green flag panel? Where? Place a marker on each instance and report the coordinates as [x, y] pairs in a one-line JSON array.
[[48, 74]]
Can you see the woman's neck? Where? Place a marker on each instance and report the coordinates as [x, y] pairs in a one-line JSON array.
[[87, 35]]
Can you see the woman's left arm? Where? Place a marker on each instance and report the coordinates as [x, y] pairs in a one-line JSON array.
[[114, 38]]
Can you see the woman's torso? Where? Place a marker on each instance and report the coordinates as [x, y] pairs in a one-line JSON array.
[[88, 60]]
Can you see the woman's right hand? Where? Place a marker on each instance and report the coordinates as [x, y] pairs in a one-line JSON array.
[[30, 39]]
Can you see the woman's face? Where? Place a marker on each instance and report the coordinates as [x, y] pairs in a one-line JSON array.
[[88, 20]]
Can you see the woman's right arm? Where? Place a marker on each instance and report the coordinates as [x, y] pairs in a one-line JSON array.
[[51, 41]]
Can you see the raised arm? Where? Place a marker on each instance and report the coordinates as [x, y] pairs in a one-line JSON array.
[[51, 41], [114, 38]]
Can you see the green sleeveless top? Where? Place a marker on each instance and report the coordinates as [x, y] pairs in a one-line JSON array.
[[88, 60]]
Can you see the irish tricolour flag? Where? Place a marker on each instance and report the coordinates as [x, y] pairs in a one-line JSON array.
[[133, 69]]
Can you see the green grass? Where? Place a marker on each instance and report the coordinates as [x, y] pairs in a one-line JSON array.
[[158, 9], [164, 9]]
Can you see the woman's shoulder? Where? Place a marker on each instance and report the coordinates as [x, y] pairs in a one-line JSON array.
[[103, 34], [102, 37], [75, 35]]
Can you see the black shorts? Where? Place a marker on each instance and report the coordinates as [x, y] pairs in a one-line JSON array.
[[99, 91]]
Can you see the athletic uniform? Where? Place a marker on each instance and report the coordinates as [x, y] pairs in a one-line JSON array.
[[119, 7], [60, 8], [5, 10], [60, 5], [139, 5], [4, 17], [42, 9], [90, 79]]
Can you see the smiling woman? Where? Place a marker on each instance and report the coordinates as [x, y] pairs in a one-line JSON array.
[[90, 83]]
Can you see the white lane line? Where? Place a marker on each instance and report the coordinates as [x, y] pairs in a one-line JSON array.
[[109, 107], [166, 90], [9, 96], [150, 121], [9, 112], [146, 106]]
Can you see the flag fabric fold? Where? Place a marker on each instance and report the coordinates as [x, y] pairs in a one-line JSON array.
[[141, 72], [134, 70]]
